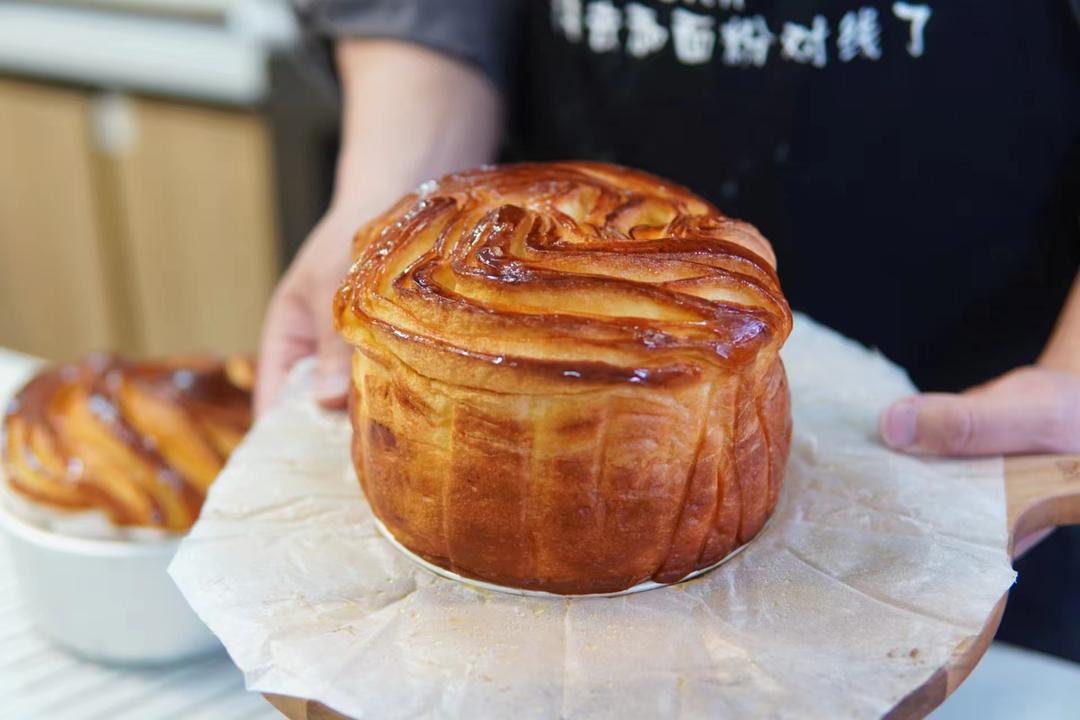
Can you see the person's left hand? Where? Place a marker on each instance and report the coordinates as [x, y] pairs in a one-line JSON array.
[[1032, 409]]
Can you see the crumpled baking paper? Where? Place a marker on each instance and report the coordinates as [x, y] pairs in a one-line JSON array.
[[875, 567]]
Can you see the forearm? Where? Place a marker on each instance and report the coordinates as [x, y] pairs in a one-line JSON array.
[[1062, 352], [409, 114]]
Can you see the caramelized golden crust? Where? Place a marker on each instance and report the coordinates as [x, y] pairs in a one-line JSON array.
[[141, 441], [567, 376]]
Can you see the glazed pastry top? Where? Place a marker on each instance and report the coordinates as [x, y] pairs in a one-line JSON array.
[[581, 273]]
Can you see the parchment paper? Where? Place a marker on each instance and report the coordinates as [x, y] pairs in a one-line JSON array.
[[876, 566]]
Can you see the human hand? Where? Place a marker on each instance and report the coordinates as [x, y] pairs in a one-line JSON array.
[[299, 321], [1033, 409]]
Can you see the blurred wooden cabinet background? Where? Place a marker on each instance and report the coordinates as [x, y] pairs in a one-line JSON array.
[[132, 224]]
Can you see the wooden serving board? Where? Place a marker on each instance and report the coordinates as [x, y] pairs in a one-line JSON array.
[[1042, 492]]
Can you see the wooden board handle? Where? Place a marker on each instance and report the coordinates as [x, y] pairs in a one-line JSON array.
[[1042, 492]]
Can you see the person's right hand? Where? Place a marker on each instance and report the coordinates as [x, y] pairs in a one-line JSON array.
[[299, 321]]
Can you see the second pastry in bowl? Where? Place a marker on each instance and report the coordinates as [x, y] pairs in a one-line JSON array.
[[105, 466], [566, 377]]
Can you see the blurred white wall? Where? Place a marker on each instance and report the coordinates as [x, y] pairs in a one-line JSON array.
[[213, 50]]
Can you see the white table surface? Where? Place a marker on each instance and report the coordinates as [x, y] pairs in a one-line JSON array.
[[38, 681], [1016, 684]]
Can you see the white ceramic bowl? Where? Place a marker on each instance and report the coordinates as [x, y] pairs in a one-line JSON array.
[[106, 600]]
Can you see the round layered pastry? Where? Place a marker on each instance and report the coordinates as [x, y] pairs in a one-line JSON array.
[[567, 377], [117, 448]]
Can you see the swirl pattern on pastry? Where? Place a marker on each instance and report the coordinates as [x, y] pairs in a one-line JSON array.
[[138, 440], [567, 376]]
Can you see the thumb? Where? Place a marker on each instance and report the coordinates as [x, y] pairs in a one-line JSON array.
[[285, 339], [983, 423], [332, 375]]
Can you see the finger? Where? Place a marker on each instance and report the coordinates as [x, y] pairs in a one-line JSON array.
[[287, 337], [334, 364], [332, 383], [984, 423]]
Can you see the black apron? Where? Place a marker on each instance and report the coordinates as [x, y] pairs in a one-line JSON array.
[[915, 165]]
